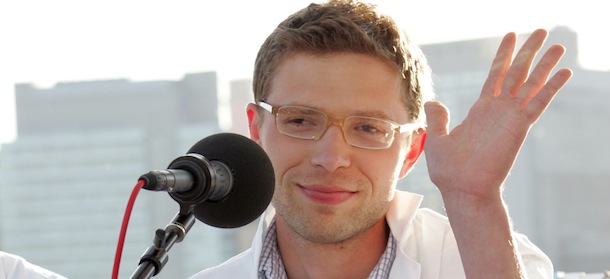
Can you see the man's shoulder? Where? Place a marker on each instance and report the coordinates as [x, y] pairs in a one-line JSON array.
[[411, 223], [429, 217], [429, 228], [14, 266]]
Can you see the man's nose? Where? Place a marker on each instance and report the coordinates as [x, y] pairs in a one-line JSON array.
[[332, 150]]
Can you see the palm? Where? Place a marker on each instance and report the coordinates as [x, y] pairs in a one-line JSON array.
[[477, 155]]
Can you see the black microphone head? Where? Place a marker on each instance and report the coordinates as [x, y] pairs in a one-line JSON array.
[[253, 180]]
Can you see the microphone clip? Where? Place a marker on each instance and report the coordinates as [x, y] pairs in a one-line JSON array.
[[191, 180]]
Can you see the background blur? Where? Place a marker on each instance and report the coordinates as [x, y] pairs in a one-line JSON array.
[[95, 93]]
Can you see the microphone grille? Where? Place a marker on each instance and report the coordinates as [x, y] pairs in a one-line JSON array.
[[253, 180]]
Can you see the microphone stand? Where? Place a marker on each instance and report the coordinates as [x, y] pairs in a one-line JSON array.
[[155, 257]]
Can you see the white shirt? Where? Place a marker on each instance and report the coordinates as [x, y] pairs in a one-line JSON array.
[[15, 267], [427, 248]]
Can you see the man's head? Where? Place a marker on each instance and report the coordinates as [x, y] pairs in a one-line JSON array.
[[327, 81], [346, 26]]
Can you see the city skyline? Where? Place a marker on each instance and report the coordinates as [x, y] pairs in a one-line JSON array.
[[64, 41], [554, 184]]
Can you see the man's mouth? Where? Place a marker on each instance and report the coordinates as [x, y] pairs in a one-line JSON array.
[[326, 195]]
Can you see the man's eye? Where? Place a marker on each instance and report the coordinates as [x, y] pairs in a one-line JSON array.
[[369, 129], [296, 121], [300, 121]]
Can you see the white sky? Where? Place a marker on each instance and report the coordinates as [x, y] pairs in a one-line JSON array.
[[45, 42]]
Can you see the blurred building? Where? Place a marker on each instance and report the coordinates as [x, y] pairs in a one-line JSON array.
[[558, 191], [65, 181], [80, 149]]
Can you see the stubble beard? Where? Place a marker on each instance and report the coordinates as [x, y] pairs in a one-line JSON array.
[[327, 225]]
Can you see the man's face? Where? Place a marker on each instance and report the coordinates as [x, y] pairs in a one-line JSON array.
[[328, 191]]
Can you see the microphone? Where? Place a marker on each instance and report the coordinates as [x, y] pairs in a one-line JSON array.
[[227, 179]]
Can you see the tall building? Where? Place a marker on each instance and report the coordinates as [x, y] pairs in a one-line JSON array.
[[79, 151], [557, 192]]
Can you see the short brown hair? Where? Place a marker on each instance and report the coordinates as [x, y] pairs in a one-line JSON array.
[[346, 26]]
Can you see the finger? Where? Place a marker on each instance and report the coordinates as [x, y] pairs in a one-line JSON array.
[[437, 116], [500, 65], [540, 101], [540, 74], [518, 71]]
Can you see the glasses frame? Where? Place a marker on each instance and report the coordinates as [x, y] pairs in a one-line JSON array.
[[397, 128]]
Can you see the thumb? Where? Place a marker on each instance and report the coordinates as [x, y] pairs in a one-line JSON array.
[[437, 116]]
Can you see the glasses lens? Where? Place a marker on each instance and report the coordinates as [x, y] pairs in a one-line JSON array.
[[360, 131], [368, 132], [301, 122]]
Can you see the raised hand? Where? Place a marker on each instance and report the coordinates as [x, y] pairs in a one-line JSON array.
[[477, 155], [470, 163]]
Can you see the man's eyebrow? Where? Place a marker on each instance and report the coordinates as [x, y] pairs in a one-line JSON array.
[[375, 114], [367, 113]]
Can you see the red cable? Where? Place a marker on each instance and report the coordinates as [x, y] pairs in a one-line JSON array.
[[121, 242]]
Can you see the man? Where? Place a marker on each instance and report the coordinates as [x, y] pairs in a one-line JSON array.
[[340, 97]]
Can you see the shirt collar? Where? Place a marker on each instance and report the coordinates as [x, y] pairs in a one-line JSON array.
[[272, 267], [271, 264]]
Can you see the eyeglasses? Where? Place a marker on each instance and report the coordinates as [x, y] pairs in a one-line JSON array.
[[359, 131]]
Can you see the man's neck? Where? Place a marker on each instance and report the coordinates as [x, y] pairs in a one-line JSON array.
[[353, 258]]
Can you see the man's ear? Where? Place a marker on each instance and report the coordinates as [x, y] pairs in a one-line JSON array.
[[416, 149], [253, 122]]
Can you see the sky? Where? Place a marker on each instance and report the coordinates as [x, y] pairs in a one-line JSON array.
[[44, 42]]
